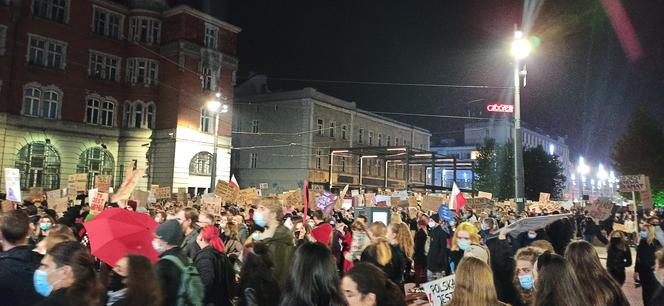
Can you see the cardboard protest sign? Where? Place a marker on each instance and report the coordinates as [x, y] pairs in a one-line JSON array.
[[412, 201], [439, 292], [620, 227], [544, 197], [127, 187], [77, 183], [485, 195], [432, 203], [60, 205], [162, 192], [13, 184], [600, 210], [342, 195], [141, 197], [226, 192], [103, 183], [370, 199], [182, 195], [98, 202], [211, 204], [534, 223], [632, 183], [646, 194], [56, 194], [478, 203], [247, 196]]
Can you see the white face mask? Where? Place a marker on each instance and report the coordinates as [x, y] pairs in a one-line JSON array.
[[158, 247], [432, 224]]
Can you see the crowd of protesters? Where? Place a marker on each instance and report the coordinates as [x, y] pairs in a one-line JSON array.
[[266, 254]]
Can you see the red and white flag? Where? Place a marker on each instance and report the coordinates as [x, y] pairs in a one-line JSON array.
[[457, 201], [233, 182]]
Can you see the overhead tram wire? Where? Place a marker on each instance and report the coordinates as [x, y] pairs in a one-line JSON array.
[[431, 115]]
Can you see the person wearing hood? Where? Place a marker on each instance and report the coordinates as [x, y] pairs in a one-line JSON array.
[[276, 236], [438, 254]]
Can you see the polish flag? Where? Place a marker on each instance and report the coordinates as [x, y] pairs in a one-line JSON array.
[[233, 182], [457, 201]]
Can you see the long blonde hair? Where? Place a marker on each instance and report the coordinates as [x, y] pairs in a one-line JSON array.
[[383, 251], [404, 238], [473, 284], [468, 227], [651, 232]]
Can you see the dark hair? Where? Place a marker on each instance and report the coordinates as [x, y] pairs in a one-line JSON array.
[[142, 282], [14, 226], [191, 214], [371, 279], [319, 214], [598, 285], [313, 279], [256, 275], [86, 288], [557, 284]]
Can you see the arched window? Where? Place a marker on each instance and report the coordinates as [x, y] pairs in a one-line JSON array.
[[201, 164], [39, 164], [126, 119], [41, 101], [138, 114], [150, 115], [95, 161]]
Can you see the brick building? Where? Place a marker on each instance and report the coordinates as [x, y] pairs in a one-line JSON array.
[[98, 86]]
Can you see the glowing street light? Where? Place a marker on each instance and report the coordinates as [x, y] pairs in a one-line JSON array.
[[216, 107], [521, 48], [583, 170]]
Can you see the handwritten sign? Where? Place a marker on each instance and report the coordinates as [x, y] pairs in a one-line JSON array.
[[13, 184], [439, 292], [432, 203], [127, 187], [544, 197], [486, 195], [226, 192], [103, 183], [98, 202], [56, 194], [211, 204], [182, 195], [632, 183], [370, 199], [162, 192], [646, 195], [60, 205], [77, 183], [600, 210]]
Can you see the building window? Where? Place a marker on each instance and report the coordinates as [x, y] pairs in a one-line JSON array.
[[320, 127], [389, 140], [144, 29], [54, 10], [342, 164], [95, 161], [201, 164], [396, 141], [46, 52], [138, 114], [3, 40], [344, 132], [126, 119], [104, 66], [380, 140], [333, 128], [211, 36], [206, 121], [360, 136], [150, 110], [254, 126], [107, 23], [319, 159], [100, 111], [41, 101], [371, 134], [142, 71], [210, 78], [253, 158], [39, 164]]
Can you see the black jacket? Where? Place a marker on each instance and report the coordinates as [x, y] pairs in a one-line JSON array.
[[56, 298], [438, 256], [645, 257], [170, 276], [618, 259], [502, 265], [217, 276], [17, 267], [420, 242], [394, 269]]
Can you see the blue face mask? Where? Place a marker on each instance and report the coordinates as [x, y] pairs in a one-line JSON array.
[[259, 220], [463, 244], [643, 234], [45, 226], [526, 281], [40, 280]]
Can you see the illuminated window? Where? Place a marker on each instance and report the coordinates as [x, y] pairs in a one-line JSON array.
[[39, 165], [95, 161], [201, 164]]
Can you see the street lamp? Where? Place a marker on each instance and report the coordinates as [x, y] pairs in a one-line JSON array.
[[216, 107], [583, 170], [520, 50], [602, 175]]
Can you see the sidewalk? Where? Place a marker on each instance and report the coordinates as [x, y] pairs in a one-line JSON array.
[[633, 294]]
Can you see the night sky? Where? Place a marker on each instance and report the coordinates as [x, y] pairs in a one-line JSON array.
[[580, 82]]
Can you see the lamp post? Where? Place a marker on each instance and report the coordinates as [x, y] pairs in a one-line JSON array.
[[583, 170], [602, 175], [215, 106], [520, 50]]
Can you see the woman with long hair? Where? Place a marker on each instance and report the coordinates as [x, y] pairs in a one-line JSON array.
[[619, 256], [524, 280], [67, 277], [360, 241], [139, 283], [214, 267], [366, 285], [645, 261], [465, 235], [232, 244], [420, 252], [598, 285], [313, 279], [556, 283], [473, 284], [399, 235], [44, 226], [387, 257]]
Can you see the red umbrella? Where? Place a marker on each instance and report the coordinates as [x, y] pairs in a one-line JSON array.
[[116, 232]]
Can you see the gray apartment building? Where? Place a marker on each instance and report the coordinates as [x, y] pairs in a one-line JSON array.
[[281, 139]]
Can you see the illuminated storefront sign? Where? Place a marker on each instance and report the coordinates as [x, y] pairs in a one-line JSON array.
[[500, 108]]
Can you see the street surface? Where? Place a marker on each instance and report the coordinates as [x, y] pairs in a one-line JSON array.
[[633, 294]]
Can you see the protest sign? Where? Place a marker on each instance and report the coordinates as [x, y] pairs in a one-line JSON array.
[[646, 195], [77, 183], [383, 200], [478, 203], [544, 197], [56, 194], [534, 223], [103, 183], [342, 195], [326, 201], [432, 203], [412, 201], [247, 196], [13, 184], [370, 199], [619, 227], [444, 213], [600, 210], [98, 202], [182, 195], [439, 292], [224, 191], [162, 192], [359, 200], [485, 195], [403, 195], [128, 186], [91, 194], [60, 205], [211, 204], [141, 197], [632, 183]]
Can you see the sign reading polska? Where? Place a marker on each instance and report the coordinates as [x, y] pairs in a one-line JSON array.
[[629, 183], [439, 292], [500, 108]]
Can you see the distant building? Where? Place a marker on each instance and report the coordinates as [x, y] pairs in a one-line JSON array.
[[99, 86], [283, 138]]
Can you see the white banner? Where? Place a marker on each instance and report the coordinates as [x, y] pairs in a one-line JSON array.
[[439, 292], [13, 184], [534, 223]]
